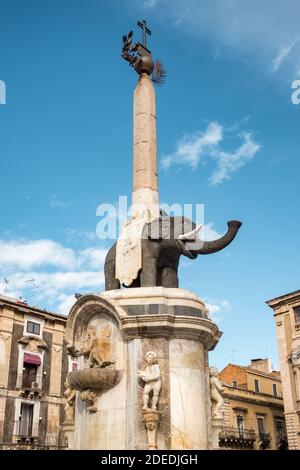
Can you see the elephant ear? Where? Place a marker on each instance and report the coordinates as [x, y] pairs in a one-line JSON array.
[[158, 229]]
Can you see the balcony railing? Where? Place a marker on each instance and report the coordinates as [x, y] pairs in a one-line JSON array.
[[264, 440], [234, 437], [33, 387], [20, 442], [282, 442]]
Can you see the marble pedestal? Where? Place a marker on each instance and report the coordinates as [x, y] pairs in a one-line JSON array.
[[128, 323]]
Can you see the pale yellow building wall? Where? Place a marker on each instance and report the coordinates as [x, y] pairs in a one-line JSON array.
[[288, 337], [250, 418], [265, 383]]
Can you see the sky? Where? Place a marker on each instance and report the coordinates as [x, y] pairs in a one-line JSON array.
[[228, 138]]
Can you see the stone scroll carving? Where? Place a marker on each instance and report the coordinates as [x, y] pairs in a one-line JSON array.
[[151, 377], [216, 390]]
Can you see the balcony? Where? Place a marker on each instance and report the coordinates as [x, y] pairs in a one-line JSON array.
[[282, 442], [20, 442], [264, 440], [29, 388], [237, 438]]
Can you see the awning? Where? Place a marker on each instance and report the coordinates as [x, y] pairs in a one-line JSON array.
[[32, 359]]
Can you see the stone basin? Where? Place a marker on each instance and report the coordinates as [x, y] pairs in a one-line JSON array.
[[93, 378]]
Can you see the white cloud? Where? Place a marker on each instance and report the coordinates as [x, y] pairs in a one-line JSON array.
[[47, 274], [37, 253], [192, 147], [283, 53], [255, 30], [59, 203], [94, 257], [27, 254], [229, 163], [208, 233], [150, 3], [217, 308], [65, 303], [199, 146]]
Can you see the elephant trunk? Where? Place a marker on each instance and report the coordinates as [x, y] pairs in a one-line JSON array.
[[217, 245]]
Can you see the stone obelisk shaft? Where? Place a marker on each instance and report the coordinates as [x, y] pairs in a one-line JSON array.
[[145, 186]]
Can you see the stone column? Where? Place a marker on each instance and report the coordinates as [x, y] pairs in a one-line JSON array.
[[145, 186]]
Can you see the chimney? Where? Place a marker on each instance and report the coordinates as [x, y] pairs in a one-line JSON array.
[[263, 365]]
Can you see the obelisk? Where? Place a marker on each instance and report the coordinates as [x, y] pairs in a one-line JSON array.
[[145, 184]]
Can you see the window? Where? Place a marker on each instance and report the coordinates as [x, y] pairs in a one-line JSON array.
[[256, 385], [33, 327], [234, 384], [275, 392], [279, 428], [240, 425], [297, 315], [261, 425], [26, 418], [29, 375]]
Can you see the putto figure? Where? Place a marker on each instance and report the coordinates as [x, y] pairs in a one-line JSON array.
[[216, 390], [151, 376]]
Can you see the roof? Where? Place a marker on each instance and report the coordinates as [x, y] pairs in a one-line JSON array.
[[283, 297], [271, 375], [24, 306]]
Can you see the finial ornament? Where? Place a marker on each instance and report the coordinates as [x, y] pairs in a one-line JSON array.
[[140, 57]]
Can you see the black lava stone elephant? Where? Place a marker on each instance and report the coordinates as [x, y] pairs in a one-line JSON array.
[[164, 241]]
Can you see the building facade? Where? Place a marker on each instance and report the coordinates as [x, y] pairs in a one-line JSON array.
[[33, 367], [253, 415], [286, 310]]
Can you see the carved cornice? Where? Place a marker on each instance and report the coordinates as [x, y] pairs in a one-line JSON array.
[[168, 326], [252, 400]]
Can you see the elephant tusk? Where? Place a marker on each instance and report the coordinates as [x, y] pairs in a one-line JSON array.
[[191, 236]]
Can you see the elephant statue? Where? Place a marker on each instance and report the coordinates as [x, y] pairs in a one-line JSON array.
[[164, 240]]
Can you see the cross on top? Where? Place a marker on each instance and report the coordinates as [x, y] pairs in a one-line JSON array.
[[142, 25]]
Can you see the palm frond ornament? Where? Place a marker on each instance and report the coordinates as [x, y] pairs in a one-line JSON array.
[[140, 58]]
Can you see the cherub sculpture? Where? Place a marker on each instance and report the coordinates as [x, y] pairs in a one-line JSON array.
[[216, 390], [151, 376]]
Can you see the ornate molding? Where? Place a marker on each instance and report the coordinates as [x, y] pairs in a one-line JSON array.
[[33, 343], [166, 326], [5, 336]]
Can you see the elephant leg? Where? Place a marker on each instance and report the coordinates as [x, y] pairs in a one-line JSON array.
[[169, 277], [111, 283], [149, 272]]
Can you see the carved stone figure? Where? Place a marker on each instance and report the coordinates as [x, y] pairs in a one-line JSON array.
[[295, 356], [151, 376], [70, 395], [164, 240], [151, 420], [216, 390], [91, 397], [94, 346]]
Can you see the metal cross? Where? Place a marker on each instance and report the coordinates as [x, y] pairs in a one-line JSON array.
[[142, 24]]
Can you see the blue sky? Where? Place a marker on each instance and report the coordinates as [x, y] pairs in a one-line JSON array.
[[228, 137]]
